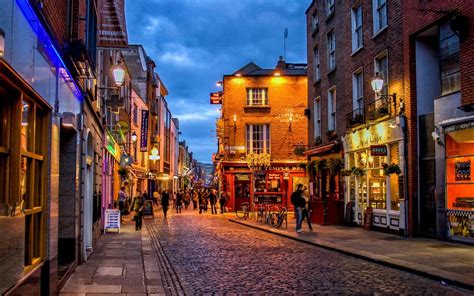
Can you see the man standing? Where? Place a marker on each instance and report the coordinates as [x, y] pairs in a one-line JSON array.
[[213, 200], [122, 197], [223, 201], [165, 202], [299, 203]]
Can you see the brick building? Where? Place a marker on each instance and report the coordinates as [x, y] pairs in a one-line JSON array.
[[350, 42], [262, 132], [438, 48]]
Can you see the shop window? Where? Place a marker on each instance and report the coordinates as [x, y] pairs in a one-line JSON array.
[[394, 179], [260, 183], [274, 182], [377, 190]]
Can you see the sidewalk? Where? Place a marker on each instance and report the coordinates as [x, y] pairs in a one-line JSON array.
[[121, 264], [449, 262]]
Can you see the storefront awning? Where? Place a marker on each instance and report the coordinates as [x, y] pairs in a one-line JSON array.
[[456, 124], [329, 148]]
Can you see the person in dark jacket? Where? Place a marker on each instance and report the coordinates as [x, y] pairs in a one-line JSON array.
[[213, 200], [137, 206], [222, 202], [299, 203], [306, 211], [179, 201], [165, 202]]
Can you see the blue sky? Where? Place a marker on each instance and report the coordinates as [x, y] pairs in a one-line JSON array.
[[195, 42]]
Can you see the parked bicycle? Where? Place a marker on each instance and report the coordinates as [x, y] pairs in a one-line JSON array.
[[278, 217], [244, 211]]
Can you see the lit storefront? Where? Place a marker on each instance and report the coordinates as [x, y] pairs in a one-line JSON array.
[[374, 156], [459, 145], [272, 186]]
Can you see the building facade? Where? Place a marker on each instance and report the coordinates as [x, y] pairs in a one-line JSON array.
[[261, 132]]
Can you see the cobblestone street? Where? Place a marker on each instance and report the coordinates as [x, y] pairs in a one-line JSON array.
[[211, 255]]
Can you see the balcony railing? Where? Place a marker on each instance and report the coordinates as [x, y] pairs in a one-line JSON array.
[[378, 109], [355, 117]]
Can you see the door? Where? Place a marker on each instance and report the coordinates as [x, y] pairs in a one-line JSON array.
[[241, 189], [88, 198]]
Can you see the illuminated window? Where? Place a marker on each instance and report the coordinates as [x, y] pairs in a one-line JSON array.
[[380, 15], [257, 96], [332, 109], [356, 28], [449, 59], [332, 50], [258, 138]]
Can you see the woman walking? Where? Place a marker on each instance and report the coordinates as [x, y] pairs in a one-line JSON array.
[[165, 202]]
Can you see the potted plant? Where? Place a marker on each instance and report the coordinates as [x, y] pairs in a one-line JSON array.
[[317, 140], [299, 150], [345, 172], [391, 169], [358, 171]]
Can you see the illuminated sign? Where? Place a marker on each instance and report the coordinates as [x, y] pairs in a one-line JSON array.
[[216, 98], [378, 150]]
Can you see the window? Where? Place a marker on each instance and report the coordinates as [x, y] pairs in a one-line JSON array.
[[135, 114], [317, 118], [381, 67], [314, 21], [449, 59], [316, 70], [257, 96], [380, 15], [5, 111], [356, 28], [331, 50], [258, 138], [357, 91], [332, 109], [329, 7]]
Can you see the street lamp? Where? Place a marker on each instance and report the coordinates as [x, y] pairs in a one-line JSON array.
[[134, 137], [377, 85], [118, 72]]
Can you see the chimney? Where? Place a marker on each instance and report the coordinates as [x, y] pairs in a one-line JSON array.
[[281, 65]]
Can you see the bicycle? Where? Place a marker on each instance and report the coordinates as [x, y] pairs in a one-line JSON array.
[[260, 213], [243, 212], [280, 216]]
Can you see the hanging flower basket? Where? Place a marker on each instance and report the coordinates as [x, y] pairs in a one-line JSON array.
[[334, 165], [317, 140], [331, 134], [358, 171], [260, 161], [391, 169], [345, 172], [299, 150]]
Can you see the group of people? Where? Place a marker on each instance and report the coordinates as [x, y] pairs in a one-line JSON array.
[[300, 201], [200, 198]]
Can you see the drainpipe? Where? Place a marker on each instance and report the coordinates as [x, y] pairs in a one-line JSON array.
[[405, 170]]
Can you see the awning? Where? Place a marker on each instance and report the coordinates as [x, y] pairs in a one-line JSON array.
[[329, 148], [456, 124]]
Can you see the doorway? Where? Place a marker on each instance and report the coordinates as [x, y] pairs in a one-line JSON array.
[[88, 197], [241, 189]]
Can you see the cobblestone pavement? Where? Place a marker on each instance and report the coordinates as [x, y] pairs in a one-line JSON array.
[[214, 256]]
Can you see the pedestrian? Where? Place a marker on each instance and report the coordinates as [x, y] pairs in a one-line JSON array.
[[179, 201], [138, 204], [195, 199], [187, 199], [306, 211], [213, 200], [122, 197], [223, 201], [146, 196], [299, 203], [165, 202], [202, 200], [156, 196]]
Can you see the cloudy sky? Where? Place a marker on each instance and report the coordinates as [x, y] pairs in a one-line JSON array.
[[195, 42]]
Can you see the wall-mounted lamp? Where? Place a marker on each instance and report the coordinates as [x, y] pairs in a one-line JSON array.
[[119, 74], [219, 83], [134, 137], [276, 74], [238, 74], [290, 119], [2, 43], [234, 117], [377, 85]]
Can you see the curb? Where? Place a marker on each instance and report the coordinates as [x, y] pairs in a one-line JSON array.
[[432, 276]]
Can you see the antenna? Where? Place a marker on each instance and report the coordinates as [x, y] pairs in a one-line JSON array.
[[285, 35]]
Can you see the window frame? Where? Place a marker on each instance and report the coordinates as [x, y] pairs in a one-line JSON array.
[[332, 100], [250, 138], [331, 48], [315, 22], [377, 13], [443, 58], [385, 75], [330, 7], [358, 98], [316, 65], [356, 28], [261, 92], [317, 117]]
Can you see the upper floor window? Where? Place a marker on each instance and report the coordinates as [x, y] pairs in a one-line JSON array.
[[356, 28], [317, 117], [314, 21], [258, 138], [449, 59], [257, 96], [135, 114], [331, 50], [329, 7], [357, 91], [381, 67], [380, 15], [332, 109], [316, 69]]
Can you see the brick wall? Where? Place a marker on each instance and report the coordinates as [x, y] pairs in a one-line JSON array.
[[56, 14], [285, 94]]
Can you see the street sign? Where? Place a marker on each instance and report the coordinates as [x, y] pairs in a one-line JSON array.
[[216, 98], [112, 220]]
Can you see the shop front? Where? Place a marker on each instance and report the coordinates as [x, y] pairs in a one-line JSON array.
[[374, 176], [272, 186], [459, 144], [327, 201]]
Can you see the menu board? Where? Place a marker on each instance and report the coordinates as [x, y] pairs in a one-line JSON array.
[[112, 220], [368, 217], [148, 208]]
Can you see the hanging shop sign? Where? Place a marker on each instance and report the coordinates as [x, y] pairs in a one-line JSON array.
[[216, 98], [378, 150], [112, 29], [144, 132]]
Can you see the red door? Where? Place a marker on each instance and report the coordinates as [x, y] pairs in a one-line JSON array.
[[241, 189]]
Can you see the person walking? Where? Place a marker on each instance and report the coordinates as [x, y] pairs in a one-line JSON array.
[[306, 211], [156, 196], [213, 200], [195, 199], [299, 203], [138, 204], [122, 198], [222, 202], [187, 199], [165, 202], [179, 201]]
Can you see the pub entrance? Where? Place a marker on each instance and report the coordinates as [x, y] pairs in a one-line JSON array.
[[241, 189]]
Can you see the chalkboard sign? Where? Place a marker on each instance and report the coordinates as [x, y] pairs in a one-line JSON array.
[[112, 220], [368, 217], [148, 208]]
